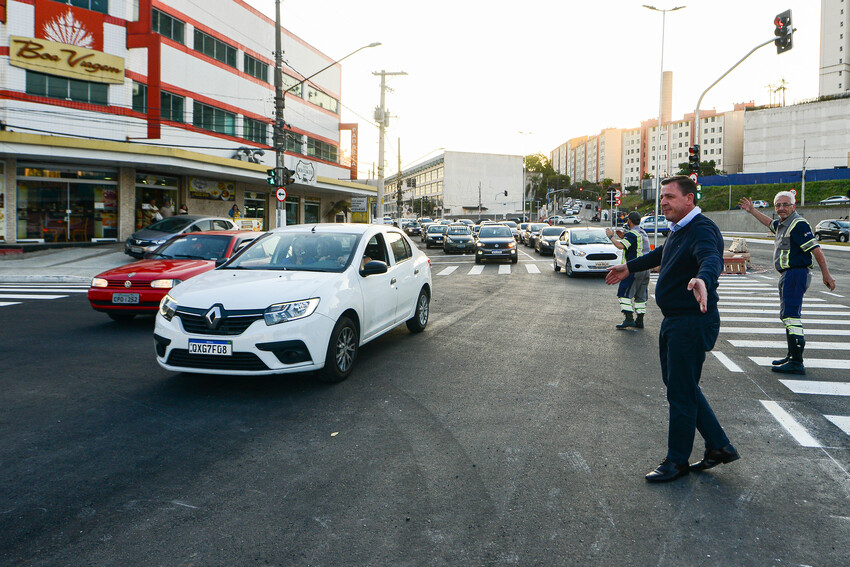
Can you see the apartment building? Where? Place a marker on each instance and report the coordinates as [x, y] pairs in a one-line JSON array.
[[834, 46]]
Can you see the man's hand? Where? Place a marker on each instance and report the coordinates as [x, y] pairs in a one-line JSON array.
[[616, 274], [829, 281], [746, 204], [609, 233], [700, 292]]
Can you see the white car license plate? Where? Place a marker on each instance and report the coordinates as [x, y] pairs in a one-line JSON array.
[[136, 249], [219, 348], [601, 264], [125, 298]]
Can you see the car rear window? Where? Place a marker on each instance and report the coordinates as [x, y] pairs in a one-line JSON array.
[[551, 231], [171, 224], [196, 247], [459, 230]]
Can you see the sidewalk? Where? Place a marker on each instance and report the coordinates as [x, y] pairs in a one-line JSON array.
[[63, 265]]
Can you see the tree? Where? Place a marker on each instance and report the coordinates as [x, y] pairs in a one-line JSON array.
[[543, 177], [706, 168]]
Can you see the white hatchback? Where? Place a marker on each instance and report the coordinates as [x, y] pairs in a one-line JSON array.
[[585, 250], [297, 299]]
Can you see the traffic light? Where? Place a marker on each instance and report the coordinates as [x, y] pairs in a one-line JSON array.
[[783, 31], [506, 192], [287, 176], [271, 177], [699, 192], [693, 158]]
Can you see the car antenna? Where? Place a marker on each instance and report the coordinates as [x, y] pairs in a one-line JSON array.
[[314, 228]]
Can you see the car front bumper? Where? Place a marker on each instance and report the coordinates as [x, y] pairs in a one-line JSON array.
[[496, 254]]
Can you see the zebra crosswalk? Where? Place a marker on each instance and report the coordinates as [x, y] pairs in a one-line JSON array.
[[479, 269], [752, 336], [16, 293]]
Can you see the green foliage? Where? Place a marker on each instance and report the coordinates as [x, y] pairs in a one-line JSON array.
[[545, 177], [706, 168], [717, 198]]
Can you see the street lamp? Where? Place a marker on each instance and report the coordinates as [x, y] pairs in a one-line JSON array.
[[660, 111]]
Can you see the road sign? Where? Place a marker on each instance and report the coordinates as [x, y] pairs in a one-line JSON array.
[[618, 193], [694, 177], [281, 194], [794, 192], [617, 201]]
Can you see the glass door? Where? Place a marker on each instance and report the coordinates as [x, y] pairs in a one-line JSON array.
[[42, 207]]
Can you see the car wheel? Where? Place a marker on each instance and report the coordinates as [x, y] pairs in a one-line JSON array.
[[557, 267], [121, 317], [477, 260], [342, 352], [514, 260], [842, 238], [568, 268], [818, 236], [417, 323]]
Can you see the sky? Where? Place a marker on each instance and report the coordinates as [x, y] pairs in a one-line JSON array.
[[520, 78]]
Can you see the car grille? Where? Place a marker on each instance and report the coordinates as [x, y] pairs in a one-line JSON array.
[[119, 283], [602, 256], [237, 361], [232, 323]]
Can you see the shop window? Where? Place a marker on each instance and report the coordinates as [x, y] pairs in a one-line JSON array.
[[322, 99], [66, 89], [256, 68], [254, 130], [311, 212], [215, 48], [101, 6], [292, 210], [167, 26], [152, 192], [214, 119]]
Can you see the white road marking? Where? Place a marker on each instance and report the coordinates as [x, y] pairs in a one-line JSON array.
[[841, 421], [447, 271], [40, 288], [775, 320], [781, 331], [504, 269], [476, 270], [797, 431], [532, 269], [810, 345], [830, 293], [775, 312], [817, 388], [828, 363], [20, 296], [773, 299], [761, 303], [767, 277], [726, 361], [7, 303]]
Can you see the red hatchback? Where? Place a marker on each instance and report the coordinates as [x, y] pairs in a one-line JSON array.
[[137, 288]]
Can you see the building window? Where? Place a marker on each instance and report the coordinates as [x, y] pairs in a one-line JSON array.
[[215, 119], [323, 100], [256, 68], [167, 26], [321, 150], [66, 89], [140, 97], [254, 130], [171, 105], [217, 49], [101, 6]]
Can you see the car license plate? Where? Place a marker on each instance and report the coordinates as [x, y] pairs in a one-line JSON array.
[[498, 251], [136, 249], [601, 264], [125, 298], [218, 348]]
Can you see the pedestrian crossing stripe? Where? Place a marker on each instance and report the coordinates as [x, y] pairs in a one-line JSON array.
[[532, 269], [40, 288], [817, 387], [772, 299], [781, 345], [781, 331], [726, 361], [826, 363], [29, 296], [762, 303], [774, 319], [774, 312], [797, 431], [476, 270], [7, 303], [447, 271], [840, 421], [504, 269]]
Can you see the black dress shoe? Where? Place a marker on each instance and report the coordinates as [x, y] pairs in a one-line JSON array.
[[714, 457], [667, 471]]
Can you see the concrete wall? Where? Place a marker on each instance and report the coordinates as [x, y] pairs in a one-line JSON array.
[[741, 221]]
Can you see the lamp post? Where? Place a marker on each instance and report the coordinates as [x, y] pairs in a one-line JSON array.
[[660, 111]]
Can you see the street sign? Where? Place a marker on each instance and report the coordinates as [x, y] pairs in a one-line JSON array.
[[617, 201], [281, 194], [618, 193], [694, 177], [794, 192]]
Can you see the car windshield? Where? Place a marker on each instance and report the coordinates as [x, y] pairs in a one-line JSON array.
[[459, 230], [494, 232], [511, 224], [551, 231], [536, 227], [299, 251], [843, 224], [171, 224], [441, 228], [195, 247], [593, 236]]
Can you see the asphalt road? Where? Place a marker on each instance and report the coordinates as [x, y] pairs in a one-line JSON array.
[[515, 430]]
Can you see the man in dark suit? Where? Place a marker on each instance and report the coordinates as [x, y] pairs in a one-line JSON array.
[[691, 261]]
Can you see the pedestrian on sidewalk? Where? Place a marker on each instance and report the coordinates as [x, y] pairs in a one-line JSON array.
[[184, 210], [166, 210], [793, 249], [691, 261], [633, 290]]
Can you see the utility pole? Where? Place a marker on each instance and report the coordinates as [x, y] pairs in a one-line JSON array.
[[400, 194], [479, 200], [803, 181], [382, 117], [279, 133]]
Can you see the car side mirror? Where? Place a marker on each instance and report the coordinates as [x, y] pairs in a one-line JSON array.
[[220, 261], [374, 267]]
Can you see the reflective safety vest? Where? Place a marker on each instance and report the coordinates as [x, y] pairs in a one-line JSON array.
[[793, 244], [636, 246]]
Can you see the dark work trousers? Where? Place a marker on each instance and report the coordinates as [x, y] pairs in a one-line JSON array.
[[682, 344]]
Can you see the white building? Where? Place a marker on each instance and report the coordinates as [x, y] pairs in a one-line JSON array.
[[631, 153], [833, 77], [109, 104]]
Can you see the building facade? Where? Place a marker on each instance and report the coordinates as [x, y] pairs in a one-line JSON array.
[[834, 43], [111, 108]]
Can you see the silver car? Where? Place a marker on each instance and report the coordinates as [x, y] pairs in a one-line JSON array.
[[152, 237]]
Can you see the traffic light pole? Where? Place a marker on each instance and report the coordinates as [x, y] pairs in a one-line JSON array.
[[279, 132]]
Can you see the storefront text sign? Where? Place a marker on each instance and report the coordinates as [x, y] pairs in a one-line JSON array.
[[305, 172], [65, 60], [207, 189], [358, 204]]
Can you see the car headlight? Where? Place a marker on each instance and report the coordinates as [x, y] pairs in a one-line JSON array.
[[511, 244], [158, 242], [577, 252], [99, 282], [164, 284], [291, 311], [479, 244], [167, 307]]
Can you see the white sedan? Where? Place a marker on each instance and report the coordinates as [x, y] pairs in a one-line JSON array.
[[297, 299], [585, 250]]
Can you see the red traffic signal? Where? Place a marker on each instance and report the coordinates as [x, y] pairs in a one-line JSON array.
[[783, 31]]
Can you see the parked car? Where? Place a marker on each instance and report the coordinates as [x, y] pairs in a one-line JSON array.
[[833, 228], [436, 235], [532, 233], [647, 223], [571, 219], [495, 242], [149, 239], [759, 204], [278, 308], [835, 200], [459, 239], [545, 243], [585, 250], [137, 288]]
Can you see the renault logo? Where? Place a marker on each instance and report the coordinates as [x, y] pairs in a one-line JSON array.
[[213, 317]]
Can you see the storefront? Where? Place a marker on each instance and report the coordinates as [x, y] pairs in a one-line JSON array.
[[152, 193]]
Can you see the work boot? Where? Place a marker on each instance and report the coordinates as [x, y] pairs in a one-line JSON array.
[[629, 321], [639, 321], [795, 365], [787, 358]]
